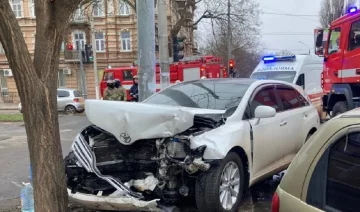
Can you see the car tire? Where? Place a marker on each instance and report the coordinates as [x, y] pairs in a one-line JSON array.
[[339, 108], [207, 189], [70, 109]]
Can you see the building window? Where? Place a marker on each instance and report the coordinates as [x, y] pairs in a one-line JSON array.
[[79, 13], [61, 79], [16, 6], [79, 40], [124, 8], [100, 41], [110, 7], [2, 51], [62, 48], [125, 41], [31, 8], [3, 84], [34, 39], [98, 9]]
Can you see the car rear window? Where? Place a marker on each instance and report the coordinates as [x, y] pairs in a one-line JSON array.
[[77, 94], [61, 93]]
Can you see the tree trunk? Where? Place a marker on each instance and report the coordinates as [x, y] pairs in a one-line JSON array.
[[37, 83]]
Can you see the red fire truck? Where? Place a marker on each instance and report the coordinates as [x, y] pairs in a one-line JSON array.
[[340, 78], [187, 69]]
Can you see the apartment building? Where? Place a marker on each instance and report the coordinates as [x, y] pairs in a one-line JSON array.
[[115, 31]]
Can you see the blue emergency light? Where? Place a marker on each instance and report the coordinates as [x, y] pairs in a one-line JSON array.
[[352, 9], [268, 59]]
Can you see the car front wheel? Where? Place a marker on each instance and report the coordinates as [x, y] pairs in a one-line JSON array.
[[220, 189]]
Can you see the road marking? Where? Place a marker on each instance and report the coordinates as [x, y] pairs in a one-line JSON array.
[[16, 184], [65, 130]]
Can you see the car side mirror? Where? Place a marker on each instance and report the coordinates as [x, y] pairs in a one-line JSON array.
[[263, 112]]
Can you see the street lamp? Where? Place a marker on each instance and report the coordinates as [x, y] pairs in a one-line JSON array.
[[305, 45]]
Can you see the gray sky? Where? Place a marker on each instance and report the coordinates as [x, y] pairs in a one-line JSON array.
[[282, 31]]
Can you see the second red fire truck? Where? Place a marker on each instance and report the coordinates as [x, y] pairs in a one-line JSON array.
[[190, 69]]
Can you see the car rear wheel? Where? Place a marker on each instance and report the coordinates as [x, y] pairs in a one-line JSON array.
[[70, 109], [339, 108], [220, 189]]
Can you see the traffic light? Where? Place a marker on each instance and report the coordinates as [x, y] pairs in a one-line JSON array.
[[178, 45], [231, 67], [69, 47], [88, 53]]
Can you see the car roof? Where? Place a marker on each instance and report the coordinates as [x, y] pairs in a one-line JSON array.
[[242, 81]]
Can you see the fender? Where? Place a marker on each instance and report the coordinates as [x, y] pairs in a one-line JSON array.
[[340, 89]]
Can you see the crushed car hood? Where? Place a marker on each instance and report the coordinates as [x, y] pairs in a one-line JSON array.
[[131, 121]]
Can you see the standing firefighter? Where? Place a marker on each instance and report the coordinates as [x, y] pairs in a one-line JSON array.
[[121, 90], [134, 90], [111, 93]]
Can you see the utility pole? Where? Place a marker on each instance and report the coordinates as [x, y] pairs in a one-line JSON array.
[[93, 44], [80, 49], [229, 41], [163, 44], [146, 48]]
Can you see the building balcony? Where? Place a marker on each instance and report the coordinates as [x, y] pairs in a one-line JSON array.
[[79, 20], [73, 56]]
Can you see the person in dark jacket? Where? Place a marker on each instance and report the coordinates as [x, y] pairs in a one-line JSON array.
[[134, 90]]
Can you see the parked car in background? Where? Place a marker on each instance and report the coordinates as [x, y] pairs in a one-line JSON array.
[[208, 139], [69, 101], [325, 174]]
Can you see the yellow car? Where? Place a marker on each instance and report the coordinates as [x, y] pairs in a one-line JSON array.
[[325, 174]]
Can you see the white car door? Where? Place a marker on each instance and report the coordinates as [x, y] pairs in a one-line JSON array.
[[295, 114], [268, 134]]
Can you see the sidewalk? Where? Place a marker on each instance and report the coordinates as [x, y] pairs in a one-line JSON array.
[[8, 106]]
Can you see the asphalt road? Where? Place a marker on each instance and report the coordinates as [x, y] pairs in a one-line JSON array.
[[14, 155], [14, 162]]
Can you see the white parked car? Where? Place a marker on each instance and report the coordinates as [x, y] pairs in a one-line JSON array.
[[207, 139], [69, 101]]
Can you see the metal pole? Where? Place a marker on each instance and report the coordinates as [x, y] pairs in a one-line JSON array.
[[93, 43], [146, 48], [163, 44], [84, 91], [229, 40]]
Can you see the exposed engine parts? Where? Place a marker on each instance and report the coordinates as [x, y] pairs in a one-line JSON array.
[[164, 168]]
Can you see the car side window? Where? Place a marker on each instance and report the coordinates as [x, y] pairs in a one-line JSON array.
[[63, 94], [128, 76], [334, 42], [343, 176], [266, 96], [335, 182], [289, 97], [354, 36], [301, 81]]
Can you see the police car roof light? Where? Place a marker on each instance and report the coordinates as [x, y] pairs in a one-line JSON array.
[[352, 9]]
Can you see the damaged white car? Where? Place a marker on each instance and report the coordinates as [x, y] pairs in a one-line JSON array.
[[207, 140]]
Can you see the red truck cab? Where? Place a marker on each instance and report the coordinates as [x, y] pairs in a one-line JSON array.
[[340, 47]]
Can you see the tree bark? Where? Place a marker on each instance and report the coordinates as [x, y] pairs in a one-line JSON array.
[[37, 83]]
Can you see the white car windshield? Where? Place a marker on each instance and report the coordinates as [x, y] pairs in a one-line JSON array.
[[207, 95], [287, 76]]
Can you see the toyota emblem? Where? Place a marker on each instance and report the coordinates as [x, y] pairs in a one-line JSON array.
[[125, 138]]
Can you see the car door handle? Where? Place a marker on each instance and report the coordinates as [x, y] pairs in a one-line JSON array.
[[305, 116], [283, 123]]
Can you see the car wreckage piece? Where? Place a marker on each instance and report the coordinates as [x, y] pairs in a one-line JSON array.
[[158, 167]]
